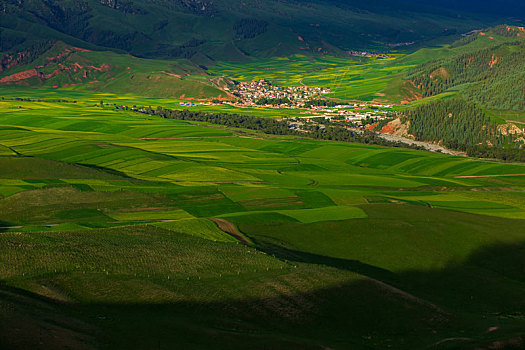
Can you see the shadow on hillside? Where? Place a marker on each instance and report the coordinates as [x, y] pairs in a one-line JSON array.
[[356, 266], [459, 303], [106, 170]]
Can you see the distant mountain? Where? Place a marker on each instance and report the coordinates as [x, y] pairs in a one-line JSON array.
[[207, 30]]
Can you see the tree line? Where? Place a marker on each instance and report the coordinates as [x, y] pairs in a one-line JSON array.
[[22, 99], [277, 127]]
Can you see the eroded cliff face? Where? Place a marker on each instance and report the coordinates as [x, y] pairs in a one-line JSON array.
[[60, 60]]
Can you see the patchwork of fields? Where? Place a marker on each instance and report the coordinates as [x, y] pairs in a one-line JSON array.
[[359, 79], [137, 154], [105, 219]]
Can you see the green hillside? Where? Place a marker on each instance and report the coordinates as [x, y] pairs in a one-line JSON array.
[[121, 229], [57, 65], [486, 67]]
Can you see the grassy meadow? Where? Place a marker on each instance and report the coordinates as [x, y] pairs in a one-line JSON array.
[[109, 239]]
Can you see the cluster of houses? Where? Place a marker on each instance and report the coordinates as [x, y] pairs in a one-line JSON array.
[[369, 54], [354, 122], [355, 114], [262, 90], [344, 115]]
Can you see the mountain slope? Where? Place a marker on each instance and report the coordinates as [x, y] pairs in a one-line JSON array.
[[61, 65], [227, 29], [487, 67]]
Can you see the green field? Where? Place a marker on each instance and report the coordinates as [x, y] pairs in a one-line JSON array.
[[348, 79], [107, 239]]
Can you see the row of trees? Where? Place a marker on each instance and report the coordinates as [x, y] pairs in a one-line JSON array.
[[21, 99], [513, 154], [276, 127]]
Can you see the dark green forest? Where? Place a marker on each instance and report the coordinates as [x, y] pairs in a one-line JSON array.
[[461, 125]]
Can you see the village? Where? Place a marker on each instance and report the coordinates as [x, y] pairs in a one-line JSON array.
[[317, 109], [263, 92]]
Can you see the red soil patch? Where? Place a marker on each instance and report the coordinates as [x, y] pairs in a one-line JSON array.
[[481, 33], [410, 92], [50, 75], [103, 68], [220, 98], [371, 127], [77, 66], [20, 76], [493, 61], [60, 55], [61, 68], [388, 129], [170, 74], [80, 49], [300, 38]]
